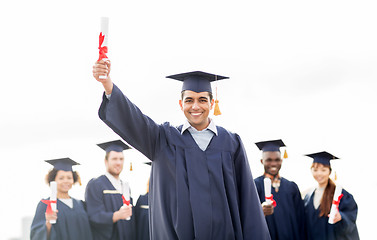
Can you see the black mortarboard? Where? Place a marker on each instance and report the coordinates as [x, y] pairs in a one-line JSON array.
[[270, 146], [197, 81], [117, 146], [64, 164], [322, 157]]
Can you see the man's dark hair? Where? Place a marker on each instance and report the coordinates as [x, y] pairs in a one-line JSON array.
[[209, 93]]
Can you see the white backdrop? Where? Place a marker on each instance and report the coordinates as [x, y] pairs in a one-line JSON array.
[[303, 72]]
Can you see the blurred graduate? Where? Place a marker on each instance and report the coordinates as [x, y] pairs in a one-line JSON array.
[[201, 186], [142, 214], [318, 203], [285, 220], [104, 196], [71, 218]]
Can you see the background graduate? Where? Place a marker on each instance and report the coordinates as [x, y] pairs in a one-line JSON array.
[[71, 218], [142, 215], [318, 203], [103, 196], [201, 186], [286, 220]]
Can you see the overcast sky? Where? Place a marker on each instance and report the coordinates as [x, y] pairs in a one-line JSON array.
[[303, 72]]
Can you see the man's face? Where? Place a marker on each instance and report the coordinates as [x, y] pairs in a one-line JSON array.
[[196, 107], [114, 163], [272, 162]]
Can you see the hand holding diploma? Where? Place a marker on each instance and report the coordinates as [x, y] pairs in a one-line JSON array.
[[269, 204], [126, 200], [100, 68], [334, 215]]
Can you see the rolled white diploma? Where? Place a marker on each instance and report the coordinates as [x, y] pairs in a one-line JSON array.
[[126, 195], [105, 33], [337, 193], [267, 190], [54, 192]]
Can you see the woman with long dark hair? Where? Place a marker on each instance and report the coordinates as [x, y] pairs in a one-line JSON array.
[[318, 205], [71, 218]]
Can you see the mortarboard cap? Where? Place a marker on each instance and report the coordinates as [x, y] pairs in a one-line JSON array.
[[64, 164], [117, 146], [197, 81], [270, 146], [322, 157]]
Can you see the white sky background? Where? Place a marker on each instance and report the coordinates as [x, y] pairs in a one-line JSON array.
[[303, 72]]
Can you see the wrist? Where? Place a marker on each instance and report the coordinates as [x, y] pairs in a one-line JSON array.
[[115, 217], [108, 86]]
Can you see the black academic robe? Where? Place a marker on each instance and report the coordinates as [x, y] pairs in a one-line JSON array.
[[318, 228], [287, 221], [194, 194], [72, 223], [142, 217], [102, 200]]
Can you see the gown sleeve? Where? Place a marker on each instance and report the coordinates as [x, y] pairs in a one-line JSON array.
[[38, 230], [125, 118], [98, 216], [348, 211], [253, 221], [299, 205]]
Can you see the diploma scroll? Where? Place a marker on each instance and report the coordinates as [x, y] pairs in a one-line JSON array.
[[103, 41], [335, 203], [53, 195], [267, 190], [126, 196]]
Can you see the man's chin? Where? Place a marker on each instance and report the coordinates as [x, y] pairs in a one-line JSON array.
[[115, 174]]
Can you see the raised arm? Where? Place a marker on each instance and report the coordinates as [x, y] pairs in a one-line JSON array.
[[124, 117]]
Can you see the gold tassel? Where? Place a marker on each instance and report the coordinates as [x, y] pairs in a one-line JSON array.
[[130, 166], [216, 112], [285, 154]]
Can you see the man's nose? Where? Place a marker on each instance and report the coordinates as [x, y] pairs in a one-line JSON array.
[[195, 105]]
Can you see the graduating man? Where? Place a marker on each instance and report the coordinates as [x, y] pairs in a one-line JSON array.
[[286, 220], [201, 186], [103, 197]]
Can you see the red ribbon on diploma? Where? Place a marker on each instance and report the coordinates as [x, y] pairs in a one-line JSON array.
[[48, 202], [102, 50], [125, 201], [336, 202], [272, 200]]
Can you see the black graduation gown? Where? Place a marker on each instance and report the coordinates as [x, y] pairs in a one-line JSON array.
[[287, 221], [102, 200], [194, 194], [72, 223], [142, 217], [318, 228]]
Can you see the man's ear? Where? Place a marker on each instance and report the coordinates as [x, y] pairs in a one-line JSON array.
[[261, 161], [212, 102], [181, 104]]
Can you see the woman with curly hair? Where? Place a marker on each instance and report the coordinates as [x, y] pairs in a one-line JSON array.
[[71, 217]]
